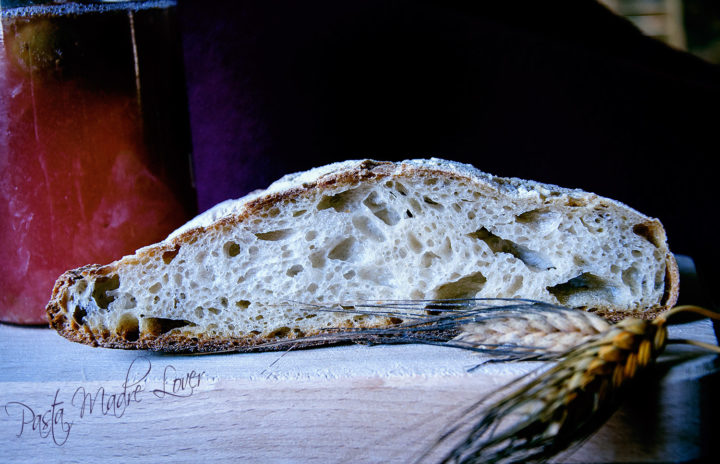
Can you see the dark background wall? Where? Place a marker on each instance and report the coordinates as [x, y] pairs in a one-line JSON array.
[[562, 92]]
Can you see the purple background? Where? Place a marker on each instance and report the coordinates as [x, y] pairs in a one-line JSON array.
[[562, 92]]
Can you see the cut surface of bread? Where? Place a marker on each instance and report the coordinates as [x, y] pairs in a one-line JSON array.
[[245, 272]]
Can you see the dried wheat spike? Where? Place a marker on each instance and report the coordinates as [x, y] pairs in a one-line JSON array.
[[552, 328], [564, 404]]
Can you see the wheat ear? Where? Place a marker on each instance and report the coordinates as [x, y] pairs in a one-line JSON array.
[[564, 404], [547, 328]]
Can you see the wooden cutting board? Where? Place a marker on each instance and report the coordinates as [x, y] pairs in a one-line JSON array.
[[65, 402]]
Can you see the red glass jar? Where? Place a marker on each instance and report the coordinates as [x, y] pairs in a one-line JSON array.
[[95, 145]]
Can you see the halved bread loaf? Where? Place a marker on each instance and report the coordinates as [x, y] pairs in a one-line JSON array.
[[238, 275]]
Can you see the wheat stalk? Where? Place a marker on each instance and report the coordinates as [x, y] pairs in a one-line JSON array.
[[563, 405]]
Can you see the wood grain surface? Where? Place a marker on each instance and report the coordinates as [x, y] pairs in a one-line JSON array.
[[65, 402]]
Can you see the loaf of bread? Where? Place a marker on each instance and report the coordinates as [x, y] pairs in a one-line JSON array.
[[248, 271]]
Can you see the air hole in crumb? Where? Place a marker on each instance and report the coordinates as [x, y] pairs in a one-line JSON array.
[[155, 287], [349, 275], [415, 205], [414, 243], [275, 235], [317, 259], [231, 249], [338, 202], [576, 202], [159, 325], [531, 258], [541, 221], [632, 278], [378, 207], [281, 332], [214, 311], [242, 304], [79, 314], [465, 287], [169, 255], [365, 225], [531, 216], [515, 285], [427, 258], [294, 270], [446, 249], [388, 216], [299, 212], [584, 286], [103, 285], [128, 327], [343, 251], [432, 202], [648, 231]]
